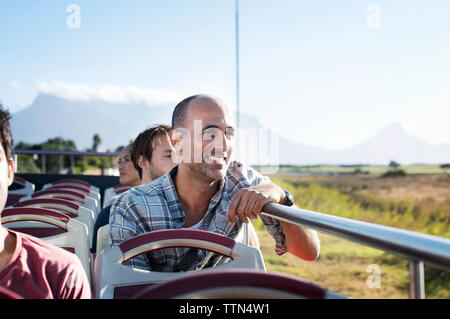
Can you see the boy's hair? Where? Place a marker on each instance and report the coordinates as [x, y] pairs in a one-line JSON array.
[[6, 137], [143, 144]]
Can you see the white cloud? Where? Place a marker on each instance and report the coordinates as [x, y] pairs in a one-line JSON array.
[[15, 84], [108, 93]]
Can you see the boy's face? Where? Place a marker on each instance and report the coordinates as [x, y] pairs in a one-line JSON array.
[[161, 162], [6, 176]]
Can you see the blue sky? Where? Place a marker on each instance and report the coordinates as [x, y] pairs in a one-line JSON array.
[[317, 71]]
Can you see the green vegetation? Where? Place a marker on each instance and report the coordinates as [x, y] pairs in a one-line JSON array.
[[394, 170], [62, 164], [359, 169], [415, 202]]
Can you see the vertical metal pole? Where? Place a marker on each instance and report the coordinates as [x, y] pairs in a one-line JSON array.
[[237, 60], [61, 164], [72, 165], [43, 164], [416, 280], [16, 162]]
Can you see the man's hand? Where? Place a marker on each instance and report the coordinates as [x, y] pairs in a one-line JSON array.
[[249, 202]]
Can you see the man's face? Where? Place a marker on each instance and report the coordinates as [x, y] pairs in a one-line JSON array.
[[161, 162], [209, 124], [6, 176]]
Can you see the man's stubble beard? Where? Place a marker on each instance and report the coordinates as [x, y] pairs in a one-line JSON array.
[[207, 172]]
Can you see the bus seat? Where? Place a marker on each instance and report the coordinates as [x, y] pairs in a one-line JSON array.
[[72, 181], [70, 208], [251, 238], [113, 280], [74, 235], [113, 191], [234, 284], [81, 189], [72, 195], [13, 198], [103, 238], [21, 186]]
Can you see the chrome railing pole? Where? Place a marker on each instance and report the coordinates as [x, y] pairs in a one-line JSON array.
[[16, 162], [72, 164], [416, 280], [43, 164], [433, 250], [61, 164]]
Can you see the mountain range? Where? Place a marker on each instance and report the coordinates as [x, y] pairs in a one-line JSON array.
[[50, 116]]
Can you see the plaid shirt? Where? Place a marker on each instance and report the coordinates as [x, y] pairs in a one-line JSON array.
[[156, 206]]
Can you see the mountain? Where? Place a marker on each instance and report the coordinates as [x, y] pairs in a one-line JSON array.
[[391, 143], [394, 143], [50, 116]]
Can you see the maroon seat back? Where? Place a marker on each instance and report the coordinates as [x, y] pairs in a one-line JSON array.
[[67, 206], [33, 214], [79, 188], [71, 180], [220, 284], [61, 193], [13, 198]]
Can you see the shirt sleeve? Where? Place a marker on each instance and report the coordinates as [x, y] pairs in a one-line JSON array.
[[272, 225], [75, 284], [124, 224]]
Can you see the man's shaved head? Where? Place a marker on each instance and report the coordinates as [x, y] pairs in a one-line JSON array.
[[202, 135], [180, 112]]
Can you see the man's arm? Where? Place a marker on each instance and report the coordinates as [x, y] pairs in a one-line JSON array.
[[249, 202]]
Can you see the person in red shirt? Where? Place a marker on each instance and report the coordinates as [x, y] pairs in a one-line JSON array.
[[31, 267]]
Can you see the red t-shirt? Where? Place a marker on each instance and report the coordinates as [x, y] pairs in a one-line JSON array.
[[39, 270]]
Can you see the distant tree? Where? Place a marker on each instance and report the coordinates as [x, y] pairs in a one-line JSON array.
[[119, 148], [53, 164], [394, 165], [444, 166], [394, 170], [96, 141], [26, 163], [100, 162]]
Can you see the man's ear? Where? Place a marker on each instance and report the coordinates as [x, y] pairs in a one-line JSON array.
[[175, 137], [11, 172], [178, 138], [143, 163]]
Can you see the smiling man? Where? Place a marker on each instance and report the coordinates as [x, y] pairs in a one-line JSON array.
[[206, 191]]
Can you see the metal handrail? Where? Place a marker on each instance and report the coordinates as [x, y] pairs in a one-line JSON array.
[[72, 154], [416, 247], [67, 153]]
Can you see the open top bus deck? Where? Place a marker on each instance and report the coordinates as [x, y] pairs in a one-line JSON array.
[[244, 276]]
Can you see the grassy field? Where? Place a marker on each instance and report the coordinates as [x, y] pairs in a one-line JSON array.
[[351, 169], [416, 202]]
